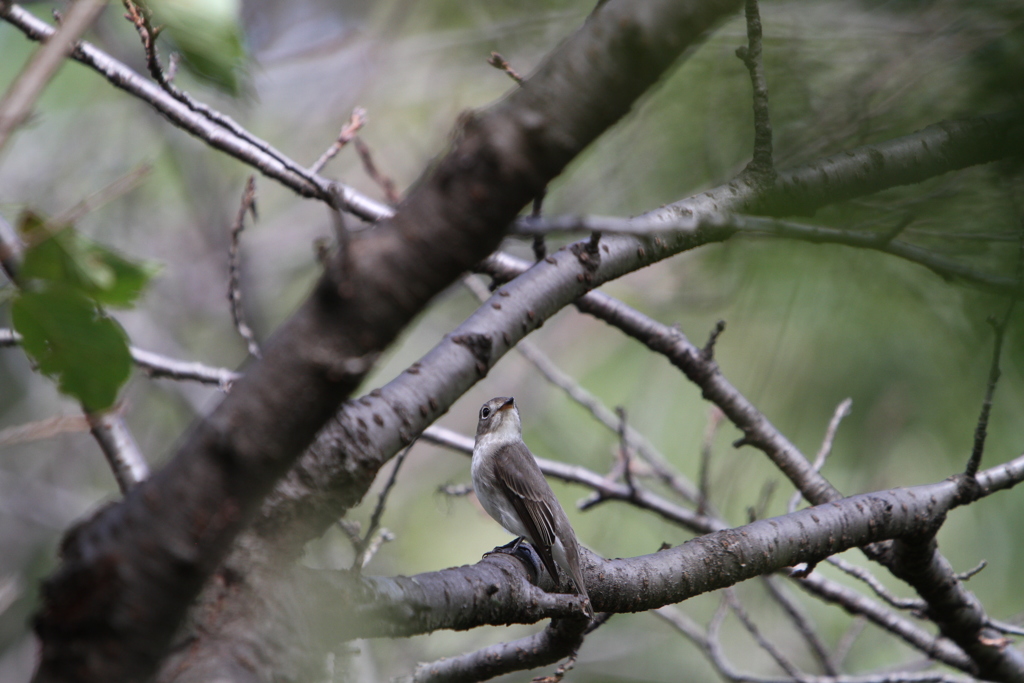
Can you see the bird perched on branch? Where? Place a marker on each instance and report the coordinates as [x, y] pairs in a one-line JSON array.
[[513, 491]]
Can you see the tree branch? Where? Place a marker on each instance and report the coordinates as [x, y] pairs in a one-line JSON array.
[[136, 566], [558, 640], [404, 606]]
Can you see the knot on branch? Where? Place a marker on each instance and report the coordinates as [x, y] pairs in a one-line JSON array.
[[589, 255], [480, 346]]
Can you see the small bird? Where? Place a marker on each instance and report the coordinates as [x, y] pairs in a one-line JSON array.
[[513, 491]]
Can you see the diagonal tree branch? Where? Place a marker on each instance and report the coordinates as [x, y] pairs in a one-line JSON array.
[[130, 572]]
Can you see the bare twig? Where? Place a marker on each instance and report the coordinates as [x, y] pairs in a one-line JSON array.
[[386, 184], [43, 429], [842, 410], [765, 644], [846, 642], [802, 621], [563, 668], [715, 418], [499, 62], [21, 96], [540, 249], [1004, 627], [768, 227], [708, 643], [371, 546], [158, 366], [938, 648], [964, 576], [348, 132], [561, 638], [126, 183], [248, 205], [119, 447], [874, 584], [761, 166], [624, 458], [981, 430], [378, 510]]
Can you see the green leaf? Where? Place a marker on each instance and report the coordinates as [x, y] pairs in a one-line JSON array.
[[208, 35], [74, 342], [72, 260]]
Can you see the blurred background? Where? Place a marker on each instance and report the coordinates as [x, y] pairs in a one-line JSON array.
[[808, 326]]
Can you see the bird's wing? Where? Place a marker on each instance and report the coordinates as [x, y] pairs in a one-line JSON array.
[[525, 487]]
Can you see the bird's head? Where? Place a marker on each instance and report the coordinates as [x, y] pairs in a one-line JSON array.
[[500, 417]]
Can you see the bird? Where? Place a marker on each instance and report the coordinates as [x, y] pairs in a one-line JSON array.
[[511, 488]]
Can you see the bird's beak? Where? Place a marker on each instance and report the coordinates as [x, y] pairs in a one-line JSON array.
[[511, 403]]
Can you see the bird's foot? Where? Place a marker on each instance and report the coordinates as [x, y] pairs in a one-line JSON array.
[[525, 553]]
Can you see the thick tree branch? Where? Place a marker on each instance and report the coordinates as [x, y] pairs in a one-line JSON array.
[[958, 613], [129, 574], [406, 606]]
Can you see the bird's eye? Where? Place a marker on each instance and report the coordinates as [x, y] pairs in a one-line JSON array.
[[485, 412]]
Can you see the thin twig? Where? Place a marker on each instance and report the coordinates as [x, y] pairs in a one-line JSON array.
[[499, 62], [768, 227], [158, 366], [119, 447], [540, 248], [348, 132], [874, 584], [386, 184], [937, 648], [126, 183], [765, 644], [846, 642], [715, 417], [140, 18], [842, 410], [367, 545], [981, 430], [627, 468], [761, 166], [248, 205], [802, 621], [43, 429], [964, 576], [21, 96]]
